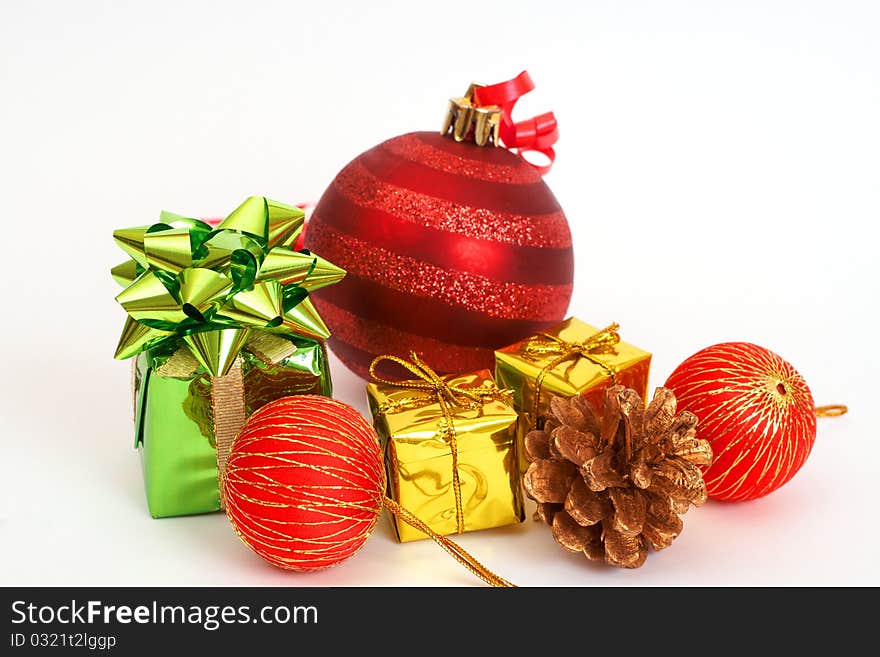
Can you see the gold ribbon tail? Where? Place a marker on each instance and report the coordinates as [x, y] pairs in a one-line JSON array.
[[832, 410], [227, 398], [454, 549]]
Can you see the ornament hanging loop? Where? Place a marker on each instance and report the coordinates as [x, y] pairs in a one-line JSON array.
[[484, 115], [832, 410], [465, 120]]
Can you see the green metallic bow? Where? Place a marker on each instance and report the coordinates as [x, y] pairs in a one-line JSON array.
[[209, 287]]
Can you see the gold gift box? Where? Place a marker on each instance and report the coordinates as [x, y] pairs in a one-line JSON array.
[[587, 375], [419, 461]]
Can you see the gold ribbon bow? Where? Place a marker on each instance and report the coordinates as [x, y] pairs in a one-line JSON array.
[[448, 396], [543, 345]]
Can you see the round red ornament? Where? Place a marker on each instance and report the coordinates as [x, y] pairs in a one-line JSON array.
[[452, 249], [304, 483], [757, 412]]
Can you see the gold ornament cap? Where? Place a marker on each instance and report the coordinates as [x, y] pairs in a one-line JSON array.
[[467, 122]]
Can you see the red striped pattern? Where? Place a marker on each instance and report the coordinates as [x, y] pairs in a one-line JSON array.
[[356, 341], [415, 147], [757, 412], [441, 260], [467, 285], [426, 316], [444, 248], [494, 196], [363, 189]]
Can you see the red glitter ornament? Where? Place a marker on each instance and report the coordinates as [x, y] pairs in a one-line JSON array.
[[452, 250], [304, 483], [755, 410]]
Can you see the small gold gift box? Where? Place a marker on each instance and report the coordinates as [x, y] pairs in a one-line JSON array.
[[572, 358], [450, 449]]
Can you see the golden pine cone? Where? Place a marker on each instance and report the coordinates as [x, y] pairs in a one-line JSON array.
[[611, 487]]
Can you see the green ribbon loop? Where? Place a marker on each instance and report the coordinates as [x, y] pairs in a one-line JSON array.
[[208, 287]]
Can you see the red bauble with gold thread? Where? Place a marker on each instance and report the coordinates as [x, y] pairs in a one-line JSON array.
[[304, 483], [452, 250], [757, 412]]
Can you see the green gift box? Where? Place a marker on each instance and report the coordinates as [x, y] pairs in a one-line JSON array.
[[174, 420], [220, 323]]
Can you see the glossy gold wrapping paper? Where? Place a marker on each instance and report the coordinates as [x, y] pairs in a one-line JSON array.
[[575, 376], [418, 460]]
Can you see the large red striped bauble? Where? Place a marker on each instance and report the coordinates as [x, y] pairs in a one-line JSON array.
[[452, 251], [755, 410], [304, 483]]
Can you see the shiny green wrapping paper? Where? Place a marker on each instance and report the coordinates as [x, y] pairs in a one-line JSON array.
[[418, 460], [174, 421]]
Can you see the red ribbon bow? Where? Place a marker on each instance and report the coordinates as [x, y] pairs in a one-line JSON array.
[[536, 134]]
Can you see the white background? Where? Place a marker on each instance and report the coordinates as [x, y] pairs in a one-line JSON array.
[[719, 164]]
